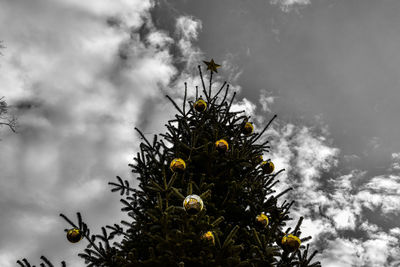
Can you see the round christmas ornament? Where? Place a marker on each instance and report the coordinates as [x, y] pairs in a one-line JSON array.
[[290, 242], [221, 145], [193, 204], [267, 166], [74, 235], [200, 105], [177, 165], [248, 128], [263, 219], [258, 159], [209, 236]]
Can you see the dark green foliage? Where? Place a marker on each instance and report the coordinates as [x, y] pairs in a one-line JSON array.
[[232, 185]]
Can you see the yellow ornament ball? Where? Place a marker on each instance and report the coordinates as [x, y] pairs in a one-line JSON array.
[[267, 166], [209, 236], [290, 242], [258, 159], [221, 145], [200, 105], [248, 128], [193, 204], [74, 235], [177, 165], [263, 219]]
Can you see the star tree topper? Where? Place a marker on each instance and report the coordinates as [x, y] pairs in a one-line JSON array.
[[211, 65]]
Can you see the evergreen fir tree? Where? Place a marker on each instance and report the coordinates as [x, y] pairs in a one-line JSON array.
[[206, 201]]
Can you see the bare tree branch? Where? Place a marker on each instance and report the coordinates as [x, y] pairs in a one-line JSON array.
[[5, 118]]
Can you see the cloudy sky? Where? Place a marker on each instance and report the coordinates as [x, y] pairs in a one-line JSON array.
[[80, 76]]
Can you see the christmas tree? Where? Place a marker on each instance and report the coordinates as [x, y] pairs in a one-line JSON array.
[[207, 200]]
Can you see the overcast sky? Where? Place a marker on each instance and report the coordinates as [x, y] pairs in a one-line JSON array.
[[80, 76]]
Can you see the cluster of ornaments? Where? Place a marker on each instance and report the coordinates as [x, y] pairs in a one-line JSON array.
[[267, 166], [289, 242], [222, 145], [193, 204]]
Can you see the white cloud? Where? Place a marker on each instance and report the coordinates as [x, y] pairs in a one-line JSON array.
[[345, 219], [379, 248], [314, 155], [344, 209], [395, 231], [388, 184], [304, 156], [288, 5], [369, 227], [245, 105], [86, 83], [187, 29], [342, 252], [373, 252], [343, 182], [159, 38], [396, 161], [233, 70], [381, 192], [266, 100]]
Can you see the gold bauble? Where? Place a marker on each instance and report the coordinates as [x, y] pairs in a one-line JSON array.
[[177, 165], [290, 242], [74, 235], [193, 204], [263, 219], [221, 145], [267, 166], [200, 105], [258, 159], [209, 236], [248, 128]]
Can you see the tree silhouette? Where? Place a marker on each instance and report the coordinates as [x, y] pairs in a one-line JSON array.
[[5, 118]]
